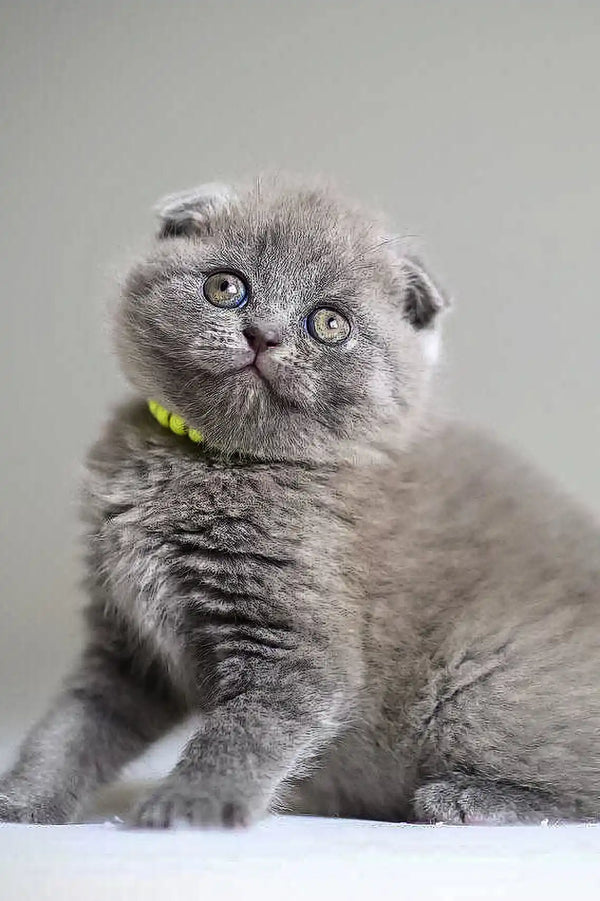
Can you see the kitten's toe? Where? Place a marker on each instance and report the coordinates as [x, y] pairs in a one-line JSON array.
[[439, 802], [175, 805]]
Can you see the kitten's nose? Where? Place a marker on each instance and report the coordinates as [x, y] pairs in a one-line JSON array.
[[261, 337]]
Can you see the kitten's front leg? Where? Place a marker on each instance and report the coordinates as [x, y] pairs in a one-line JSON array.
[[103, 718], [232, 768]]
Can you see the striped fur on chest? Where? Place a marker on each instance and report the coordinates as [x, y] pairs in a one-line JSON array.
[[209, 570]]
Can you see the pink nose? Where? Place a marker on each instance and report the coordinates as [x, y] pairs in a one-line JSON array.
[[261, 337]]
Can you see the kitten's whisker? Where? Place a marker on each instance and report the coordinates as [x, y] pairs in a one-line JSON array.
[[395, 239]]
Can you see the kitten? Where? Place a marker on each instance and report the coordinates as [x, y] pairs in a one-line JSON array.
[[370, 611]]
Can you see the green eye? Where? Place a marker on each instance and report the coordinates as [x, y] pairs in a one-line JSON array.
[[225, 290], [328, 326]]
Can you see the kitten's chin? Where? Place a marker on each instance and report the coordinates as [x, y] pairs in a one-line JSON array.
[[265, 433], [243, 413]]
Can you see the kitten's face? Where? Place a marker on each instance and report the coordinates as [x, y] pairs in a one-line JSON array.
[[276, 326]]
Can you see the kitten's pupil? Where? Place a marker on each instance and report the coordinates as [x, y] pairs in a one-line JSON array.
[[333, 323], [224, 286]]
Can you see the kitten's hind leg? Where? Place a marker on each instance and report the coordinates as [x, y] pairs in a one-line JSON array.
[[104, 717], [476, 802]]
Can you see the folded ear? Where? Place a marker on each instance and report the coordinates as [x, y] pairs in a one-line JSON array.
[[193, 212], [423, 299]]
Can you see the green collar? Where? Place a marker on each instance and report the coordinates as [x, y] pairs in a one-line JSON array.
[[174, 422]]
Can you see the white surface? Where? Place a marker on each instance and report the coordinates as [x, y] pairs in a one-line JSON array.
[[291, 858]]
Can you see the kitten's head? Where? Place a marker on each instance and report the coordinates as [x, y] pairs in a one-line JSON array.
[[280, 322]]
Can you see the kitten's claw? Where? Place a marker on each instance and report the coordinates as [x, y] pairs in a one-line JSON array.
[[176, 805]]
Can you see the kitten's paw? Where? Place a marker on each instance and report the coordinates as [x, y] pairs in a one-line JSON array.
[[10, 812], [26, 810], [441, 802], [178, 804], [480, 803]]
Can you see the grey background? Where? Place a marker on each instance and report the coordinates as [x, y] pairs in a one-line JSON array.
[[475, 124]]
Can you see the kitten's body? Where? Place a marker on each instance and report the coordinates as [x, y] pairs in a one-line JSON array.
[[388, 625]]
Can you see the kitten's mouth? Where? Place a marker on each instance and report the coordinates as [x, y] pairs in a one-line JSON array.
[[262, 376], [254, 371]]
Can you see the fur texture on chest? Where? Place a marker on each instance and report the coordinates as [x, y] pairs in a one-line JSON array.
[[210, 563]]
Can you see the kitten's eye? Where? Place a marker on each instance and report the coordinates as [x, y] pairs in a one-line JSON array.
[[328, 326], [225, 290]]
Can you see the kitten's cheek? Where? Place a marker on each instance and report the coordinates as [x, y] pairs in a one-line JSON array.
[[298, 390]]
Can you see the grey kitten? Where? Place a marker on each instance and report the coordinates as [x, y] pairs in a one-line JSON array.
[[370, 612]]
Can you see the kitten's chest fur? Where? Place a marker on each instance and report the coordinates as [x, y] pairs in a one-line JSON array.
[[206, 562]]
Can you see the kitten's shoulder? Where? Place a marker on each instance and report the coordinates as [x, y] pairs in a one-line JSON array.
[[129, 432], [455, 449], [453, 455], [468, 468], [132, 459]]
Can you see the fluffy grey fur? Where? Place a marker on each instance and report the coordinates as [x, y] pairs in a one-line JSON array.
[[371, 612]]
